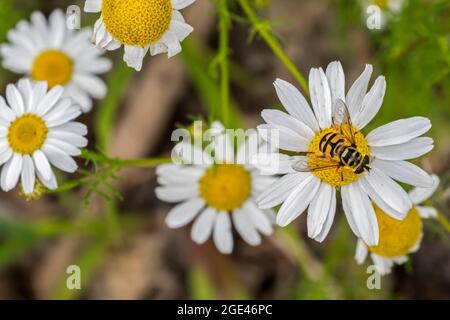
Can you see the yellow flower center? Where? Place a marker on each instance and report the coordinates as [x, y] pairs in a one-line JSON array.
[[137, 22], [326, 167], [53, 66], [382, 4], [397, 237], [27, 134], [225, 186]]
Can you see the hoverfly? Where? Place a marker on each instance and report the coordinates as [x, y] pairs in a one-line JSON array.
[[337, 149]]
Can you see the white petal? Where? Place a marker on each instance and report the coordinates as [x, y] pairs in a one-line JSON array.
[[5, 155], [384, 265], [223, 149], [258, 218], [405, 172], [223, 236], [319, 208], [50, 183], [295, 103], [28, 176], [15, 99], [93, 6], [362, 212], [283, 138], [50, 99], [245, 227], [398, 132], [320, 97], [383, 190], [298, 201], [277, 117], [26, 91], [6, 112], [361, 252], [180, 29], [177, 193], [42, 164], [405, 151], [134, 56], [184, 213], [329, 219], [357, 92], [173, 174], [181, 4], [371, 104], [191, 154], [336, 80], [91, 84], [59, 159], [427, 212], [172, 43], [203, 226], [419, 195], [11, 172], [280, 189], [273, 163]]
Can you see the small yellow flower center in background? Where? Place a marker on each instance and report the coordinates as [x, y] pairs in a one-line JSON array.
[[397, 237], [53, 66], [383, 4], [27, 134], [225, 187], [137, 22], [334, 176]]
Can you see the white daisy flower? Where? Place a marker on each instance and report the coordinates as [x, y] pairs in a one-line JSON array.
[[37, 131], [49, 51], [216, 192], [385, 8], [140, 26], [338, 156], [399, 238]]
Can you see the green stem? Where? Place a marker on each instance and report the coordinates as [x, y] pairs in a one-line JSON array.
[[224, 39], [264, 31]]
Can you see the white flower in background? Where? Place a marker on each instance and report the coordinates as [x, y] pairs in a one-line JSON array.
[[49, 51], [379, 12], [385, 5], [37, 131], [216, 193], [327, 136], [140, 26], [399, 238]]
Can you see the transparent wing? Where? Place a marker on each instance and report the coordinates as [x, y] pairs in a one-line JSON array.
[[319, 162], [342, 121]]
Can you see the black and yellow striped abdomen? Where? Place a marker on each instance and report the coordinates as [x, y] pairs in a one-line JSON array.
[[336, 145]]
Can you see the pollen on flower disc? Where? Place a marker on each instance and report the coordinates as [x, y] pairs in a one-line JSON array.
[[225, 186], [137, 22], [52, 66], [397, 237], [27, 134]]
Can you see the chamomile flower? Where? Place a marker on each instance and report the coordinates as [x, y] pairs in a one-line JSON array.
[[217, 192], [399, 238], [140, 26], [332, 153], [37, 131], [386, 9], [48, 51]]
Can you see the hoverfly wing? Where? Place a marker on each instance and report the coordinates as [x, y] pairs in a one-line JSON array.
[[300, 164], [341, 114], [342, 120]]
